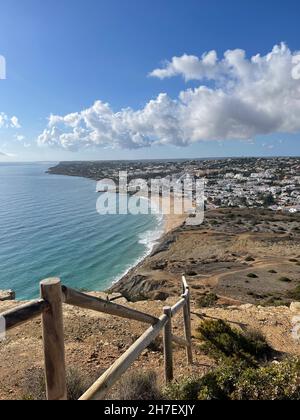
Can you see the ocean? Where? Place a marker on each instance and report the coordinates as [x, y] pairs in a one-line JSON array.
[[49, 227]]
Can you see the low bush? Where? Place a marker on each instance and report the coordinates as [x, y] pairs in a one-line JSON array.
[[235, 381], [239, 375], [207, 301], [285, 280], [295, 294], [138, 386], [279, 381], [220, 341], [252, 276], [35, 387], [186, 390]]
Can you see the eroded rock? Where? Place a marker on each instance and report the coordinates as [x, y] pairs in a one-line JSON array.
[[7, 295]]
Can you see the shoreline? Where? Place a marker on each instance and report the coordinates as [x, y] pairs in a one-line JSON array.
[[170, 223]]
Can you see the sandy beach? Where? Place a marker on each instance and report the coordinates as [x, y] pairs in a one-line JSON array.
[[171, 220]]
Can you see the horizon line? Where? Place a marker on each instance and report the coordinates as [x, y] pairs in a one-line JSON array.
[[157, 159]]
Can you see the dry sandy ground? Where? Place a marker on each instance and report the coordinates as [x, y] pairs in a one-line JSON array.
[[95, 341], [217, 258]]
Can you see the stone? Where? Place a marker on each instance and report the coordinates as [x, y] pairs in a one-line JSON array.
[[115, 296], [160, 296], [159, 265], [7, 295], [246, 307], [121, 301], [295, 307]]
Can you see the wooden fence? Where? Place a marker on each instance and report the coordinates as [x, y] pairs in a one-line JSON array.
[[50, 308]]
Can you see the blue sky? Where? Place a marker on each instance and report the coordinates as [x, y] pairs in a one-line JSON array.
[[62, 56]]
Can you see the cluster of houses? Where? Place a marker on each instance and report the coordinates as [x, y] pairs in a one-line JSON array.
[[229, 182], [267, 183]]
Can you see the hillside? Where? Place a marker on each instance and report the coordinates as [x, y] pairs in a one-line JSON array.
[[243, 267], [241, 255], [95, 341]]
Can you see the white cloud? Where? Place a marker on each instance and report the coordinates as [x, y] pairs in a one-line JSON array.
[[14, 122], [191, 67], [245, 98], [20, 138], [268, 146], [9, 122]]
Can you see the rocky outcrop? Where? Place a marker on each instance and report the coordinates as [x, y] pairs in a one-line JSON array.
[[141, 287], [7, 295]]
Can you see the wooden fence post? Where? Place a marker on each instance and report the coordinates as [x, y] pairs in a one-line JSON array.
[[53, 339], [168, 346], [188, 327]]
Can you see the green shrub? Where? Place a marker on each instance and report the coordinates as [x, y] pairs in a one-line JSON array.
[[252, 276], [274, 382], [295, 294], [285, 280], [249, 259], [207, 301], [221, 383], [188, 389], [275, 302], [237, 381], [222, 342], [239, 375]]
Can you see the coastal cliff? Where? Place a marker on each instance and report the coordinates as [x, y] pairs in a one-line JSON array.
[[94, 341], [238, 255], [243, 267]]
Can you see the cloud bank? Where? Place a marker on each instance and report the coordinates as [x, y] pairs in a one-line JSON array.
[[237, 98], [7, 155]]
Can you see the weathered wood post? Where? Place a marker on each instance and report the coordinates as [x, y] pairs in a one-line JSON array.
[[53, 339], [168, 346], [188, 326]]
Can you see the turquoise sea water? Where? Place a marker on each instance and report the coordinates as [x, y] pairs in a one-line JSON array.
[[49, 227]]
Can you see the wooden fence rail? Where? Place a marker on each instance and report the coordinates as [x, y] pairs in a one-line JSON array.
[[72, 297], [50, 307], [24, 313], [113, 374]]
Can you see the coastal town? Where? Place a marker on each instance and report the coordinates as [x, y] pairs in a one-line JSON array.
[[272, 183]]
